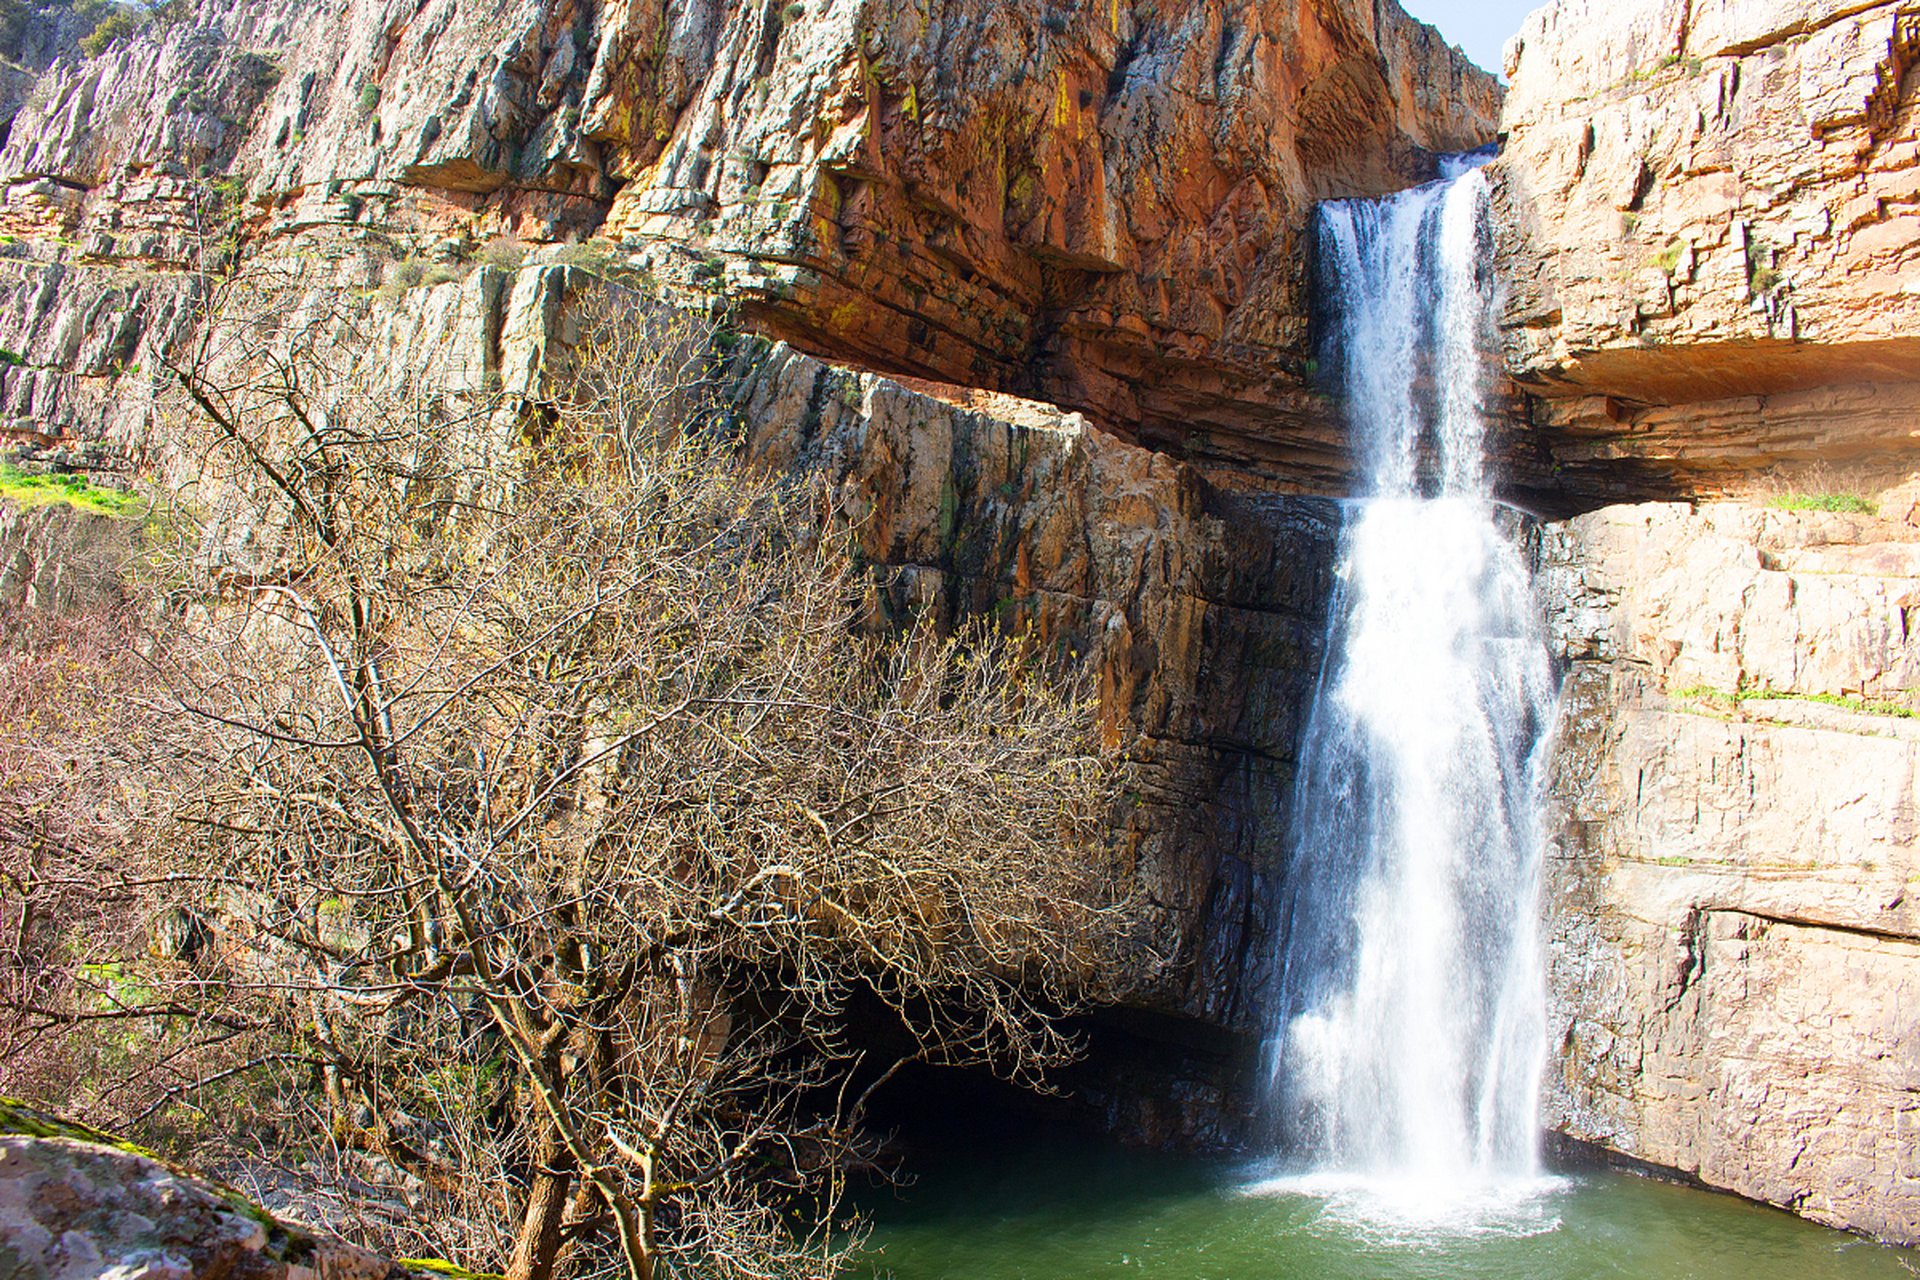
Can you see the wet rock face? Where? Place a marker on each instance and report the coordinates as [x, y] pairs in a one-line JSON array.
[[1734, 936], [1710, 204]]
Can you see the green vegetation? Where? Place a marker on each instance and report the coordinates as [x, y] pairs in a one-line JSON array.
[[1762, 277], [26, 490], [117, 23], [1668, 259], [434, 1266], [261, 71], [1731, 699], [414, 272], [369, 98], [1848, 503]]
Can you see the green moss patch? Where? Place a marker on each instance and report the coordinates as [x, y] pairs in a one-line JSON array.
[[435, 1267], [1729, 700], [1849, 503], [25, 489]]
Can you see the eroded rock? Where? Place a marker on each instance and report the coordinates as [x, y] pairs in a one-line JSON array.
[[1202, 611], [1713, 205], [1733, 895]]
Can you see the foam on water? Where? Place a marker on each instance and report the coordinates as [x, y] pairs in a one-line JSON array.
[[1397, 1213]]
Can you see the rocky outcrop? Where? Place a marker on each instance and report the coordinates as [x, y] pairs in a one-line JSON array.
[[75, 1203], [1734, 932], [1203, 614], [1714, 204], [1706, 218], [1100, 206]]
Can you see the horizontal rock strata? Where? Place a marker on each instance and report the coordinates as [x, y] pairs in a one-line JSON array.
[[1705, 204], [1101, 206], [1734, 896], [1098, 206]]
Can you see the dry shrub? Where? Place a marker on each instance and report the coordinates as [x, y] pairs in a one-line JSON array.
[[530, 830]]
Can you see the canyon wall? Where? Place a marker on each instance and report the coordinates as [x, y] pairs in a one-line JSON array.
[[1099, 205], [1733, 893], [1206, 646], [1708, 221], [1714, 205], [1705, 215], [1104, 206]]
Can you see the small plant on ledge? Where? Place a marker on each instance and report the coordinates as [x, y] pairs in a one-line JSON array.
[[1846, 503]]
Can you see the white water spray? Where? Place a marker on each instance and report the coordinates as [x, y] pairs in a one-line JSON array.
[[1409, 1043]]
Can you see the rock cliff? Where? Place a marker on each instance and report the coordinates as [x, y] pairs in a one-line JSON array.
[[1714, 205], [1705, 213], [1206, 643], [1100, 205], [1734, 926], [1706, 220]]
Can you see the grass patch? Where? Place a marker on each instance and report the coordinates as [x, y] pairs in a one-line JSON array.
[[1730, 699], [1850, 503], [27, 490]]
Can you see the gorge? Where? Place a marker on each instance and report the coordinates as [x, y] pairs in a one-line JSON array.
[[1034, 286]]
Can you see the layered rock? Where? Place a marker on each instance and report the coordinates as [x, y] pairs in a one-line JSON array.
[[1100, 205], [1713, 204], [1734, 926], [1202, 612], [1706, 221]]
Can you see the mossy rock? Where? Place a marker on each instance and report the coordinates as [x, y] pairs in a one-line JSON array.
[[197, 1215]]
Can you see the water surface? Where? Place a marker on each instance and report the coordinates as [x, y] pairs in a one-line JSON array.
[[1055, 1207]]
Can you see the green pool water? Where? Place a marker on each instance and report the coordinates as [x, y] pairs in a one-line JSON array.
[[1054, 1207]]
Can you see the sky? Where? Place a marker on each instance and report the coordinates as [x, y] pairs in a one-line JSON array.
[[1479, 27]]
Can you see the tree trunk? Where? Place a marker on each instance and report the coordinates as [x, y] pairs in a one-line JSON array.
[[538, 1245]]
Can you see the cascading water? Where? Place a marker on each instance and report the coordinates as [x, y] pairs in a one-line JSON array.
[[1409, 1043]]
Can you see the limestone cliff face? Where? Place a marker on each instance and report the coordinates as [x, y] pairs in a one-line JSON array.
[[1734, 924], [1097, 204], [1101, 205], [1708, 221], [1715, 204], [1206, 643]]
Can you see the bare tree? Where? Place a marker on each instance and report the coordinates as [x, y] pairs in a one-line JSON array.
[[537, 799]]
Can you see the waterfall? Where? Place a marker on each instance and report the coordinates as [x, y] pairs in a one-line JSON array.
[[1408, 1045]]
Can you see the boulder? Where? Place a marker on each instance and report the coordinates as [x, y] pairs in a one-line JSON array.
[[77, 1204]]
